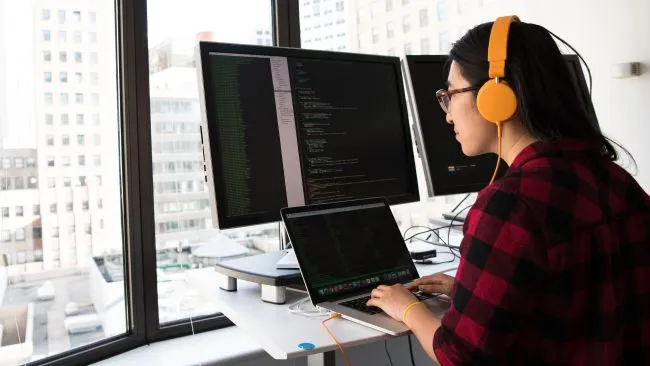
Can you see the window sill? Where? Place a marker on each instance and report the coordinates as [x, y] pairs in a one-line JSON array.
[[225, 346]]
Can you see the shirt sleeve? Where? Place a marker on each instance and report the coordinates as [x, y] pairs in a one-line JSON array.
[[497, 281]]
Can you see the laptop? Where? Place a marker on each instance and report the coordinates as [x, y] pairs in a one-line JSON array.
[[344, 251]]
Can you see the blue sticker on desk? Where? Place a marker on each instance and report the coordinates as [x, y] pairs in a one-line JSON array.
[[306, 346]]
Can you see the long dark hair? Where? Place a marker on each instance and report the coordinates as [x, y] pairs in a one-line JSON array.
[[548, 104]]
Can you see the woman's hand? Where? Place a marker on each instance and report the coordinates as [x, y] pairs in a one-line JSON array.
[[391, 299], [434, 284]]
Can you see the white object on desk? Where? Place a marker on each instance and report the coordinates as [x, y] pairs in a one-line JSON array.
[[289, 261]]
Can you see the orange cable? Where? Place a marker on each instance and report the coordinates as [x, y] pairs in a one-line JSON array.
[[345, 355], [496, 169]]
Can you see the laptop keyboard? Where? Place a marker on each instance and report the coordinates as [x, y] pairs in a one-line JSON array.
[[360, 303]]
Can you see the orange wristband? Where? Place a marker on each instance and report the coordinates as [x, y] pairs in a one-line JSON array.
[[411, 305]]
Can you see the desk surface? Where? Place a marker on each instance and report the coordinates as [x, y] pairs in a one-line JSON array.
[[278, 331]]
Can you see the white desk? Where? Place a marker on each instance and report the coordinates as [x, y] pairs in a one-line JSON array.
[[279, 332]]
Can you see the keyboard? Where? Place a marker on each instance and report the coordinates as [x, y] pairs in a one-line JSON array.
[[360, 303]]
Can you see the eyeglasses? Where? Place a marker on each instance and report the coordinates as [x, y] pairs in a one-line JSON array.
[[444, 96]]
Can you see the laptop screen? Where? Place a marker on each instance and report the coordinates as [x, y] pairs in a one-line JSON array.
[[348, 248]]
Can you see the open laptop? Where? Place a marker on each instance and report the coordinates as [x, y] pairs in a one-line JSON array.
[[345, 250]]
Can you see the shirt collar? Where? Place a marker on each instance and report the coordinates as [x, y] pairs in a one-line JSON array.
[[566, 147]]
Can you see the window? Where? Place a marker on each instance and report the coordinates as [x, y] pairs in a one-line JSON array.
[[63, 77], [47, 56], [82, 181], [67, 182], [80, 119], [81, 140], [424, 46], [408, 49], [79, 98], [339, 6], [69, 207], [85, 205], [19, 183], [78, 77], [444, 42], [48, 98], [78, 58], [97, 160], [88, 228], [65, 119], [20, 235], [65, 140], [81, 160], [53, 208], [45, 14], [31, 162], [445, 10], [5, 236], [6, 163], [36, 210], [390, 30], [49, 140], [76, 15], [65, 161], [389, 6], [46, 35], [92, 16], [63, 57], [55, 231], [47, 77], [64, 98], [19, 211], [375, 36], [391, 52], [61, 16], [63, 36], [19, 162], [5, 212], [406, 24], [78, 37], [37, 233], [32, 183], [49, 119], [424, 18]]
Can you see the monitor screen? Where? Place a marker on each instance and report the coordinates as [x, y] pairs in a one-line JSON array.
[[447, 169], [348, 247], [288, 127]]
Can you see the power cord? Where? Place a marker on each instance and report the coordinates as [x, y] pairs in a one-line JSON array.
[[411, 350], [390, 359], [345, 355], [297, 308]]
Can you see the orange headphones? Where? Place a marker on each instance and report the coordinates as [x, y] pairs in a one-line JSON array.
[[496, 101]]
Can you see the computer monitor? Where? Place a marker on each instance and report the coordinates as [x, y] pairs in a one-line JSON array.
[[287, 127], [447, 170]]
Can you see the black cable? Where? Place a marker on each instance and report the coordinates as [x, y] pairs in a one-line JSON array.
[[411, 350], [461, 202], [429, 230], [390, 359]]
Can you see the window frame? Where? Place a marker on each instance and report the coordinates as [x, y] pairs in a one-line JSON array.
[[138, 224]]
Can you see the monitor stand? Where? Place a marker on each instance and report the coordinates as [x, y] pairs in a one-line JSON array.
[[263, 269]]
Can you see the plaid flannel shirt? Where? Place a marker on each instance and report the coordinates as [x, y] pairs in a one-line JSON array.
[[555, 266]]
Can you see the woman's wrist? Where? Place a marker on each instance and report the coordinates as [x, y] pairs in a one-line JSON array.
[[415, 315]]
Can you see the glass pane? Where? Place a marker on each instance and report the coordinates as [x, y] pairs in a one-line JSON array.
[[398, 28], [185, 239], [61, 281]]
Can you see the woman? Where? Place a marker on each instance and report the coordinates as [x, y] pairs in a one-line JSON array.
[[555, 260]]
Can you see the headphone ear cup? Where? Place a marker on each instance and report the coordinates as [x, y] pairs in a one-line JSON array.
[[496, 102]]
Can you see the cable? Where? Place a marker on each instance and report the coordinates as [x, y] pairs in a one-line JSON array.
[[411, 350], [579, 56], [390, 359], [496, 169], [345, 355], [296, 308], [452, 222]]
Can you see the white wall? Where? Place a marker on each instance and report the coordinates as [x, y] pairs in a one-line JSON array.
[[607, 32]]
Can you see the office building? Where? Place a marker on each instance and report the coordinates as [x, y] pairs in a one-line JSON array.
[[328, 25]]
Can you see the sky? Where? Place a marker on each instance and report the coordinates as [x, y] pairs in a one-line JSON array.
[[229, 20]]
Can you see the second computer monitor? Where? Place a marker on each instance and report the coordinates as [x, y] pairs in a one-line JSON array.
[[447, 169], [287, 127]]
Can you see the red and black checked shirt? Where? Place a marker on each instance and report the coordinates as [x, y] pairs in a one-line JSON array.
[[555, 266]]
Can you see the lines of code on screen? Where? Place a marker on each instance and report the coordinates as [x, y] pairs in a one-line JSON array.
[[249, 157], [350, 130]]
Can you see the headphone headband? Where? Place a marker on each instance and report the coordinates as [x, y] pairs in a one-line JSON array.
[[498, 48]]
